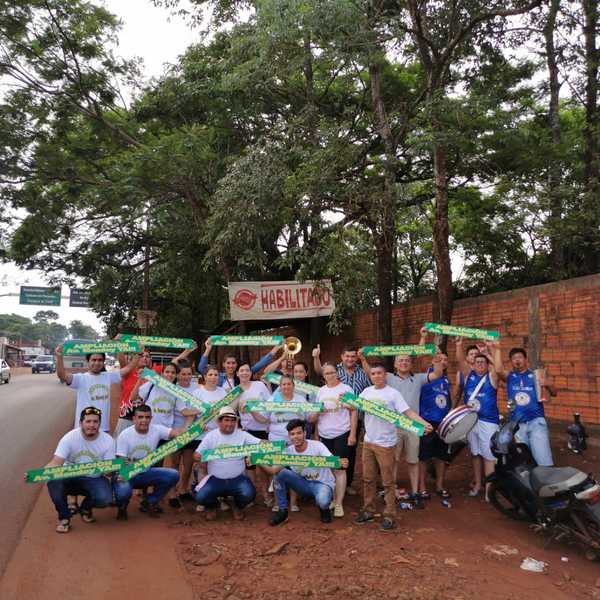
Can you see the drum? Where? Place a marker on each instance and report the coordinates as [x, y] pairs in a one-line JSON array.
[[456, 424]]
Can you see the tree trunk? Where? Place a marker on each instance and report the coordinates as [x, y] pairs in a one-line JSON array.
[[556, 209]]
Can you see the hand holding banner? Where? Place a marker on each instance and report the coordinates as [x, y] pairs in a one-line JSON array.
[[174, 390], [79, 470], [383, 412], [410, 350], [307, 388], [159, 342], [111, 346], [303, 461], [246, 340], [240, 451], [468, 332]]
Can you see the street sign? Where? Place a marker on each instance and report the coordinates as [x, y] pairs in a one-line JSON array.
[[39, 296], [79, 298]]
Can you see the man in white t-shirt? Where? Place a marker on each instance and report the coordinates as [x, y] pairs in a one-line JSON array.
[[84, 444], [93, 387], [135, 443], [308, 482], [379, 448], [226, 477]]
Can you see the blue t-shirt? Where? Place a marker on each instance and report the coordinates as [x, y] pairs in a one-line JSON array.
[[521, 390], [434, 403], [486, 399]]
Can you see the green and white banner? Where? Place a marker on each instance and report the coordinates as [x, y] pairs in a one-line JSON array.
[[408, 349], [383, 412], [111, 347], [307, 388], [241, 451], [196, 429], [302, 461], [174, 390], [468, 332], [79, 470], [284, 407], [159, 342], [246, 340]]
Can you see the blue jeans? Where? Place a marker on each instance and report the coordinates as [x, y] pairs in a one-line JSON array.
[[161, 479], [288, 479], [535, 434], [96, 490], [240, 487]]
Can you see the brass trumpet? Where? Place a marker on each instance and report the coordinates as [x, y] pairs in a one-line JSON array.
[[292, 346]]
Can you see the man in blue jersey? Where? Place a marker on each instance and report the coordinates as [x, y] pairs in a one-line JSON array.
[[526, 398], [481, 386], [434, 405]]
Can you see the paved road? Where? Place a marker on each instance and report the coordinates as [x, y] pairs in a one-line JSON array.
[[35, 410]]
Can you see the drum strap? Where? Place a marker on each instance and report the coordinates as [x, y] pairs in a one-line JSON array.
[[476, 390]]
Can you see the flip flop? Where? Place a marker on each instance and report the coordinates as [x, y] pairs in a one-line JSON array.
[[443, 494], [64, 526]]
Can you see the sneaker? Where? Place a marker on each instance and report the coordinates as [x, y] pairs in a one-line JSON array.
[[199, 508], [338, 511], [386, 525], [364, 517], [122, 513], [275, 508], [279, 518], [295, 508], [325, 515], [417, 501], [351, 491]]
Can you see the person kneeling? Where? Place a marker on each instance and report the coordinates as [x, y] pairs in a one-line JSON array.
[[135, 443], [224, 477], [309, 482], [82, 445]]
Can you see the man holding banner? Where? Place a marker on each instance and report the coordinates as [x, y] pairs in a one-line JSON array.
[[85, 444], [224, 477], [134, 444], [379, 448]]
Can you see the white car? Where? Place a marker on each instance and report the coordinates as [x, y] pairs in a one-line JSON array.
[[4, 371]]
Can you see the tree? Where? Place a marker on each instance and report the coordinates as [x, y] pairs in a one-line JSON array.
[[45, 316], [80, 331]]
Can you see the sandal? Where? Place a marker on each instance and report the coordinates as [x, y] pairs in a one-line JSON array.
[[425, 495], [445, 494], [64, 526], [473, 493], [87, 517]]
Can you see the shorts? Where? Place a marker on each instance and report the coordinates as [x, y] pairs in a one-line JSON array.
[[479, 439], [338, 446], [432, 446], [409, 443]]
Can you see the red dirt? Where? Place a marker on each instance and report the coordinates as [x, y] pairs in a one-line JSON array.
[[434, 554]]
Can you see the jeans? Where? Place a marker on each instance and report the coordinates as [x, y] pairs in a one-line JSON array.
[[240, 487], [535, 434], [161, 479], [96, 490], [288, 479]]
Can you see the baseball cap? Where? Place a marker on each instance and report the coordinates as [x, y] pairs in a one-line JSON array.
[[227, 411]]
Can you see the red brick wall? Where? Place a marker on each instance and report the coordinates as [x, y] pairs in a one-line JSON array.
[[558, 323]]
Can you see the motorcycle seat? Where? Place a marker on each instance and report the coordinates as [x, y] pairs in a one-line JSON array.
[[550, 481]]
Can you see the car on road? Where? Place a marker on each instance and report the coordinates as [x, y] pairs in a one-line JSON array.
[[28, 359], [4, 371], [44, 363]]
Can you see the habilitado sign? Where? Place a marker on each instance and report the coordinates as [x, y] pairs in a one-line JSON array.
[[459, 331], [250, 300]]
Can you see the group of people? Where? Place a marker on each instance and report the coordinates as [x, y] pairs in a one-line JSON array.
[[150, 416]]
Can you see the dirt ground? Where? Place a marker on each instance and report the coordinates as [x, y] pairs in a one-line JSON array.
[[468, 550]]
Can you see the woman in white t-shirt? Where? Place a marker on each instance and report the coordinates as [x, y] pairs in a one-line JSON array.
[[210, 394], [337, 426]]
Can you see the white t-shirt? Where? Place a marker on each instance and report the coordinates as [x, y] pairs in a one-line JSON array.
[[162, 403], [134, 445], [256, 392], [226, 468], [335, 421], [378, 431], [178, 418], [94, 390], [209, 397], [314, 448], [278, 420], [75, 449]]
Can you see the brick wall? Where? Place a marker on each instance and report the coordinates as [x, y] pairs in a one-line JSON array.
[[558, 323]]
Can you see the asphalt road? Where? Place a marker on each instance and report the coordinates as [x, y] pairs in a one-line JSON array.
[[35, 411]]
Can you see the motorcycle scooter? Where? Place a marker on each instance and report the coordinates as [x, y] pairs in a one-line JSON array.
[[561, 501]]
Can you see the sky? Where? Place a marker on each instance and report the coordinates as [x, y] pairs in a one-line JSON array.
[[158, 38]]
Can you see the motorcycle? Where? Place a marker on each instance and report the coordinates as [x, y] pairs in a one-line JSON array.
[[561, 501]]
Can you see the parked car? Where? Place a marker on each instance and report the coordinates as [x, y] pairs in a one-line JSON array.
[[28, 359], [4, 371], [43, 363]]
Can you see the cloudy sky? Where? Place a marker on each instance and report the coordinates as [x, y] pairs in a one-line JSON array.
[[158, 38]]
